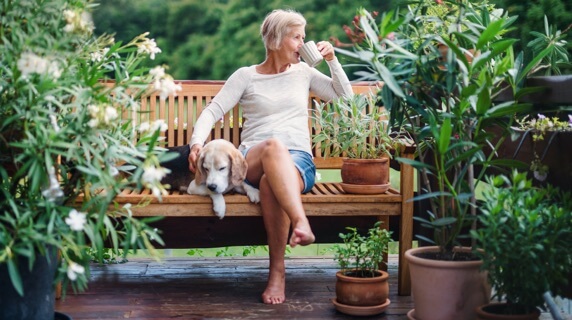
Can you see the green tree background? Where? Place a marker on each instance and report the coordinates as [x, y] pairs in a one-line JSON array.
[[210, 39]]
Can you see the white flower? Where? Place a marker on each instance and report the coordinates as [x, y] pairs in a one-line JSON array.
[[160, 125], [76, 220], [54, 122], [157, 72], [154, 174], [53, 192], [93, 123], [98, 55], [93, 110], [157, 192], [75, 22], [69, 15], [149, 47], [54, 70], [69, 28], [166, 87], [144, 126], [74, 269], [30, 63], [110, 114]]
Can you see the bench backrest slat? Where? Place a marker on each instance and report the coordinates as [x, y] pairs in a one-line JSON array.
[[181, 112]]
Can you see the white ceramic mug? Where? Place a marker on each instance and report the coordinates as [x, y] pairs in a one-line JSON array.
[[309, 52]]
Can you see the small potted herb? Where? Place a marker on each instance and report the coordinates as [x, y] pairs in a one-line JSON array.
[[361, 287], [356, 127]]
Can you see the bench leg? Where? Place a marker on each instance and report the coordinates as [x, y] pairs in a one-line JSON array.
[[384, 225], [405, 228], [59, 284]]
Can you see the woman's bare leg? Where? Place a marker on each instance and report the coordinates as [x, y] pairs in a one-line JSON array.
[[280, 185], [277, 225], [274, 162]]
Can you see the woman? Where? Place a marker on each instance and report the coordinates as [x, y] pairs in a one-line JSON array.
[[275, 138]]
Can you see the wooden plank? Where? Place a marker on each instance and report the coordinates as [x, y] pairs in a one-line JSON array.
[[405, 225], [215, 288]]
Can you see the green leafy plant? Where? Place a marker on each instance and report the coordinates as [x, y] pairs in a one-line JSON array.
[[525, 233], [66, 132], [354, 126], [558, 59], [444, 97], [360, 255]]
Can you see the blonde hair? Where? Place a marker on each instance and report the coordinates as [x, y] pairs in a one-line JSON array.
[[277, 25]]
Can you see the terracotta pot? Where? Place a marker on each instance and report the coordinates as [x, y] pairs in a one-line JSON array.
[[356, 291], [446, 290], [493, 311], [371, 174]]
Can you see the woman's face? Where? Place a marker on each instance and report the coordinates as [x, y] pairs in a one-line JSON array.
[[292, 43]]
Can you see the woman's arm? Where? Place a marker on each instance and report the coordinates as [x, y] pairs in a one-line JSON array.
[[226, 99], [228, 96], [327, 88]]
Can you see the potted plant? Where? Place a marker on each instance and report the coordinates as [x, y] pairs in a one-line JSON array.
[[447, 106], [361, 287], [525, 233], [64, 132], [356, 127], [541, 142]]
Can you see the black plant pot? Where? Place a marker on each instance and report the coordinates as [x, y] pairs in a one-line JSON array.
[[61, 316], [39, 294]]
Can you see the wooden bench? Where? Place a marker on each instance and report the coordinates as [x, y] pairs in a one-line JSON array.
[[325, 200]]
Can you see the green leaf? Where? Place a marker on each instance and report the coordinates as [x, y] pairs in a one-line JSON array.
[[15, 277], [445, 136], [445, 221], [489, 34], [508, 108], [389, 80]]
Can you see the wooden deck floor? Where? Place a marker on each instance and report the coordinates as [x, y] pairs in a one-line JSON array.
[[219, 288], [215, 288]]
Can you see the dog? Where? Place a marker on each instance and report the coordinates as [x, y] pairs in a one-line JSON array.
[[221, 168], [179, 175]]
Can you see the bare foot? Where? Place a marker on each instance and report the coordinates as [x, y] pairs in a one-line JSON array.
[[274, 292], [301, 237]]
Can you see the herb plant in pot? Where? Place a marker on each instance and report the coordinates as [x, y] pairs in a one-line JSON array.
[[361, 287], [356, 127], [446, 105], [525, 233], [64, 134]]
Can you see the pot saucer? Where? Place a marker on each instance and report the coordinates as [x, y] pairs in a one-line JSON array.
[[365, 188], [360, 310], [411, 314]]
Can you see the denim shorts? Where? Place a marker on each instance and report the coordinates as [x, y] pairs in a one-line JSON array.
[[305, 165]]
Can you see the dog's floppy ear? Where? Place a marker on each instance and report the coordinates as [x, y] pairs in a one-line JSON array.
[[200, 173], [238, 167]]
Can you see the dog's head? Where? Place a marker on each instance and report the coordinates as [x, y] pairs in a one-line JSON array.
[[220, 166]]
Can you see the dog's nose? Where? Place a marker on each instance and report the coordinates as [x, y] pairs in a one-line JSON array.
[[212, 187]]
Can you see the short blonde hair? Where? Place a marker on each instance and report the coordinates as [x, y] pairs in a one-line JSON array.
[[277, 25]]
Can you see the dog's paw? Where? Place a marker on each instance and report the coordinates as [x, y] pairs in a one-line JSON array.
[[197, 189], [252, 193], [219, 206]]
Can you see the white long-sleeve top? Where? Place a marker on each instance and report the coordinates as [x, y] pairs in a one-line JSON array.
[[273, 105]]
